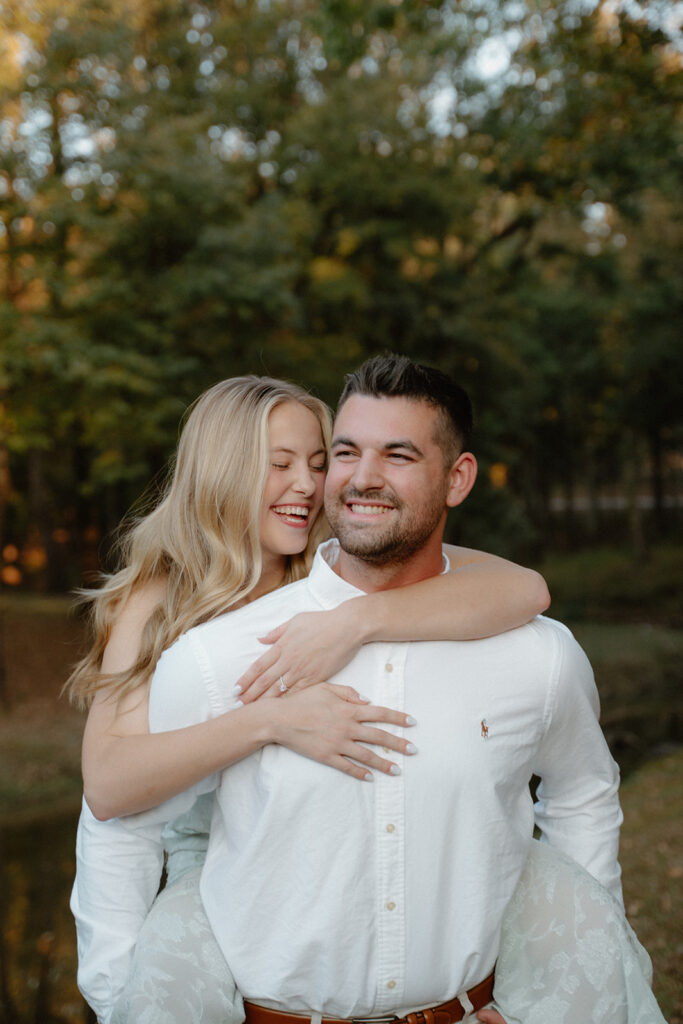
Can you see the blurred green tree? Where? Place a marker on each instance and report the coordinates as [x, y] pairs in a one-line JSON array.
[[189, 191]]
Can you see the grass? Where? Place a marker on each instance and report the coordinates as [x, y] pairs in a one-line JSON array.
[[607, 585], [638, 670], [652, 862], [40, 754], [40, 735]]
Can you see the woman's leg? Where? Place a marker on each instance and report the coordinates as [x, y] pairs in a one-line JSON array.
[[179, 975], [568, 954]]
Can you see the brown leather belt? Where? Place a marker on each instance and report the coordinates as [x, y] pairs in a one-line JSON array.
[[445, 1013]]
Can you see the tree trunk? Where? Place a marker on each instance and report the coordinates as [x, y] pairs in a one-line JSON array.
[[39, 502], [656, 456], [4, 497], [632, 480]]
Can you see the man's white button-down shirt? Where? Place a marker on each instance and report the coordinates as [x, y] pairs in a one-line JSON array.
[[354, 899]]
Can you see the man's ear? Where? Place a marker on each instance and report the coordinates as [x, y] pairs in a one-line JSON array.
[[461, 477]]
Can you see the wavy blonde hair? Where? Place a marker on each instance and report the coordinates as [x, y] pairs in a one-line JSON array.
[[203, 534]]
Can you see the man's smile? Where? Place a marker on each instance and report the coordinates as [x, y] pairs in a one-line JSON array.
[[362, 509]]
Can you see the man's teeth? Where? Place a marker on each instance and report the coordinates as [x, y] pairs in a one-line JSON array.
[[370, 510]]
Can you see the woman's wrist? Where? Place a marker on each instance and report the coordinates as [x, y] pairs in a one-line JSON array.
[[270, 717], [357, 619], [258, 725]]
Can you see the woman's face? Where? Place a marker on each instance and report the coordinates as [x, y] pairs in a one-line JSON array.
[[293, 495]]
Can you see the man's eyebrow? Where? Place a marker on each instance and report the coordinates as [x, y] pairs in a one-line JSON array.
[[400, 444], [407, 445]]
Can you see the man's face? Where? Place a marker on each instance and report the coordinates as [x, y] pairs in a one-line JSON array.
[[386, 489]]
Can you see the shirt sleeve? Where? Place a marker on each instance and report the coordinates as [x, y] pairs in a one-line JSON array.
[[578, 807], [119, 862], [117, 877]]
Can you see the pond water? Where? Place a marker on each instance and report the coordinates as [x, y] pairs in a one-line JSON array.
[[37, 934]]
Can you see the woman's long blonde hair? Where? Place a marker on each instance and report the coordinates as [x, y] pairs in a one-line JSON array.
[[203, 535]]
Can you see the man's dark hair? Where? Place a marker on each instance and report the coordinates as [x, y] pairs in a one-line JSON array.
[[394, 376]]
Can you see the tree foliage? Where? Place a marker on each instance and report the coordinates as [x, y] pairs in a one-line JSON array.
[[190, 191]]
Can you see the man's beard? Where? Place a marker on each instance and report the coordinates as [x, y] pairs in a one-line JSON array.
[[388, 544]]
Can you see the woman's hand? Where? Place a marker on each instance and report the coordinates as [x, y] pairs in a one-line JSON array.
[[328, 724], [490, 1017], [307, 649]]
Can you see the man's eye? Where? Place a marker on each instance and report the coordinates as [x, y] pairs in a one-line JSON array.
[[399, 457], [343, 453]]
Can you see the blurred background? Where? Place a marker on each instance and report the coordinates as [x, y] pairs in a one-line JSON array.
[[190, 191]]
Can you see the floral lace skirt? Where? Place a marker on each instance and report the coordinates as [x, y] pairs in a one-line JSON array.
[[567, 955]]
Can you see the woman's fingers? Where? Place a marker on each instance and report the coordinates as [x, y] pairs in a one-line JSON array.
[[329, 724], [356, 771], [274, 635], [377, 713], [367, 757], [349, 694], [380, 738], [358, 759], [258, 678]]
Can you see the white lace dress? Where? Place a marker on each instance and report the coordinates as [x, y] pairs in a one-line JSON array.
[[567, 953]]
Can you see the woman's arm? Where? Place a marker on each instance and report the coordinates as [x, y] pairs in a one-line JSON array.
[[481, 596], [127, 769]]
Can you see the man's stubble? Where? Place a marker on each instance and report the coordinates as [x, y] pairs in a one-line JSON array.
[[379, 544]]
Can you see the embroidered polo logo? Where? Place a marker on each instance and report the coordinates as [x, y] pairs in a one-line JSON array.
[[484, 729]]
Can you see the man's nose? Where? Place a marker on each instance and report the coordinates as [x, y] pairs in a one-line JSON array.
[[367, 475]]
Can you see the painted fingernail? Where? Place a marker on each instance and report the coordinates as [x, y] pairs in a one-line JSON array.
[[410, 720], [361, 696], [394, 770], [411, 748], [239, 703], [238, 689], [369, 777]]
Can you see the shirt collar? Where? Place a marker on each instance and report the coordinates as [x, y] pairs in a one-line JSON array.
[[327, 586]]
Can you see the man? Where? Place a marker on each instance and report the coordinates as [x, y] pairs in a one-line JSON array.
[[337, 900]]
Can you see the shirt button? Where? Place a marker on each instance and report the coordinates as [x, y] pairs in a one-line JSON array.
[[391, 828], [391, 905], [391, 984], [388, 667]]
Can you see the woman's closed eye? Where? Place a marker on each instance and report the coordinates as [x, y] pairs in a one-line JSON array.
[[287, 465]]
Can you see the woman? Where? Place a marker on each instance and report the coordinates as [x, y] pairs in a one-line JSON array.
[[210, 545]]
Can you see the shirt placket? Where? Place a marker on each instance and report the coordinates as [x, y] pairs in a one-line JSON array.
[[390, 825]]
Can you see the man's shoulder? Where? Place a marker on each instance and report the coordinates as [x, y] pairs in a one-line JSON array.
[[549, 635], [541, 644], [540, 632], [548, 629]]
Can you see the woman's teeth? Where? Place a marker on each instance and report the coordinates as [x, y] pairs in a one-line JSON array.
[[296, 512]]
